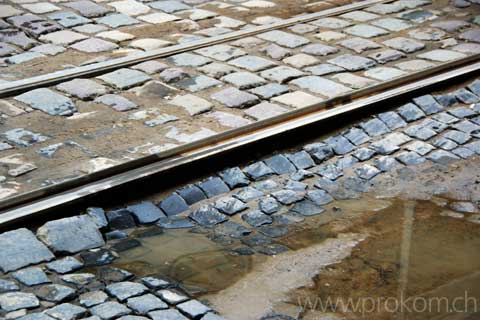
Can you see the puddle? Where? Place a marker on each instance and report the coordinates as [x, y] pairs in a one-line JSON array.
[[412, 251], [199, 264]]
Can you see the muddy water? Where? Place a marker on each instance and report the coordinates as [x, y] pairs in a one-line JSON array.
[[359, 250]]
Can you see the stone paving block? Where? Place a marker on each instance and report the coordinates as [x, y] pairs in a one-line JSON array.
[[229, 120], [393, 24], [269, 90], [173, 75], [420, 132], [145, 212], [352, 80], [356, 136], [200, 14], [93, 298], [324, 69], [13, 301], [158, 18], [360, 16], [329, 171], [191, 194], [444, 143], [385, 8], [6, 50], [284, 39], [428, 104], [475, 87], [465, 96], [8, 286], [301, 159], [23, 57], [331, 23], [384, 73], [48, 49], [427, 34], [55, 293], [32, 24], [390, 143], [386, 163], [472, 35], [146, 303], [66, 311], [198, 83], [287, 197], [8, 11], [466, 126], [130, 7], [48, 101], [84, 89], [252, 63], [410, 112], [116, 36], [213, 186], [217, 70], [244, 80], [359, 45], [403, 44], [221, 52], [265, 110], [463, 153], [188, 60], [414, 65], [175, 223], [64, 265], [301, 60], [18, 39], [148, 44], [329, 36], [110, 310], [169, 6], [282, 74], [234, 98], [352, 63], [88, 8], [230, 205], [192, 104], [63, 37], [473, 146], [442, 55], [31, 276], [462, 112], [442, 157], [367, 172], [419, 147], [365, 31], [268, 205], [297, 99], [125, 78], [392, 120], [258, 170], [450, 25], [280, 164], [457, 136], [387, 56], [409, 158], [23, 137], [40, 7], [321, 86], [234, 178], [302, 28], [117, 20], [68, 19], [170, 314], [71, 235], [318, 49], [127, 289], [173, 205], [319, 197], [363, 154], [206, 216], [117, 102], [444, 117]]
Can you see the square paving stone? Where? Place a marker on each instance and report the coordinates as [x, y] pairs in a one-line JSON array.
[[193, 308], [8, 11], [442, 55], [145, 212], [158, 18], [221, 52], [385, 8], [406, 45], [64, 265], [13, 301], [117, 102], [419, 132], [301, 60], [269, 90], [359, 45], [110, 310], [356, 136], [125, 78], [31, 276], [297, 99], [192, 104], [170, 314], [230, 205], [191, 194], [428, 104], [244, 80], [280, 164], [393, 24], [234, 98], [392, 120], [169, 6], [330, 36], [213, 186], [252, 63], [130, 7], [323, 69], [68, 19], [66, 311], [41, 7], [117, 20], [331, 23], [319, 49], [124, 290], [366, 31], [63, 37], [384, 73], [360, 16], [217, 70], [409, 158], [410, 112], [207, 216], [275, 52], [234, 177], [93, 45], [258, 170], [284, 39], [48, 101], [352, 80], [146, 303], [321, 86], [84, 89], [229, 120], [265, 110], [339, 144], [282, 74], [173, 205], [387, 56], [419, 147], [352, 62], [88, 8]]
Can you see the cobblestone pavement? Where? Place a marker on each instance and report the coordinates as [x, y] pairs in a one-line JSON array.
[[248, 207], [157, 105]]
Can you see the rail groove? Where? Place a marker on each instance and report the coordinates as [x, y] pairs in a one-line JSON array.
[[42, 200], [91, 70]]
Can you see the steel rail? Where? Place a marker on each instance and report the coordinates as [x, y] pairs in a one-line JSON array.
[[42, 200], [15, 87]]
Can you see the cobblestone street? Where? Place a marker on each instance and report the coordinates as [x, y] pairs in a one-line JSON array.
[[381, 202], [161, 104]]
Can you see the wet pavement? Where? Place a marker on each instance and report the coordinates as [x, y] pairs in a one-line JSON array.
[[155, 106]]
